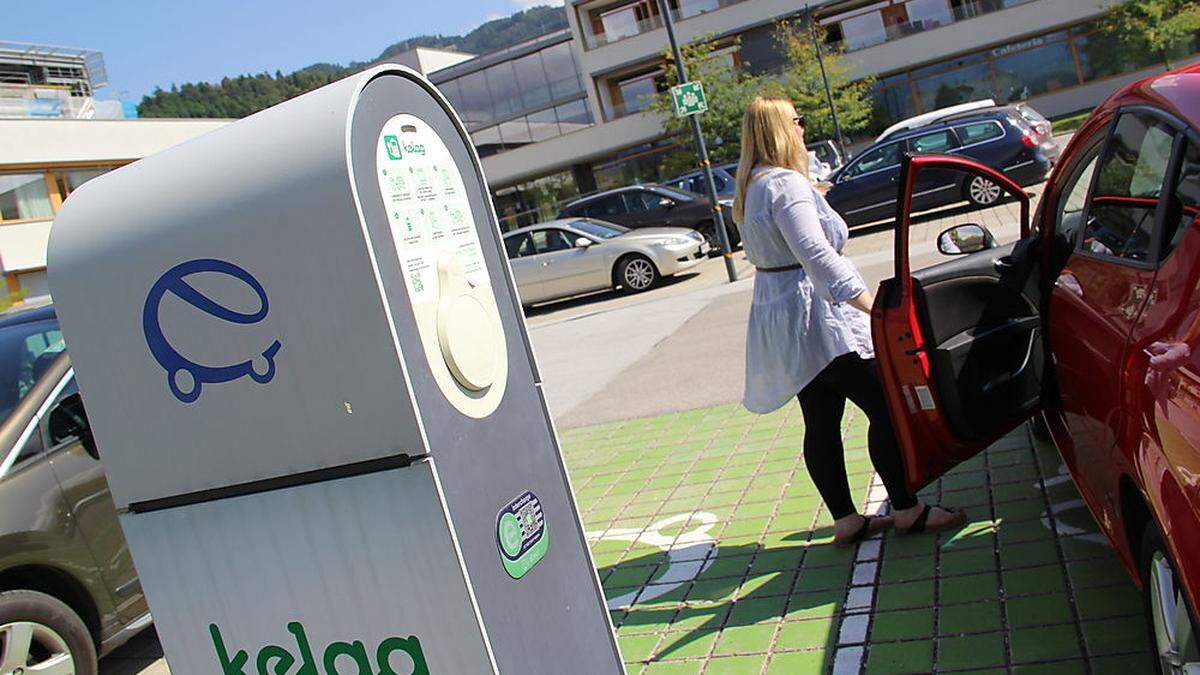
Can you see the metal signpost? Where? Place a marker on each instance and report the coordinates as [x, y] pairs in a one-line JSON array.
[[690, 102], [309, 378]]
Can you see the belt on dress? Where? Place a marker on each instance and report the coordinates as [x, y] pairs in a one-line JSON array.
[[785, 268]]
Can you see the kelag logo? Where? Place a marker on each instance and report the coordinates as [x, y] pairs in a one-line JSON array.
[[185, 377], [277, 660]]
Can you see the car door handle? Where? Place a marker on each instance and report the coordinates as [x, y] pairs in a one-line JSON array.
[[1003, 264]]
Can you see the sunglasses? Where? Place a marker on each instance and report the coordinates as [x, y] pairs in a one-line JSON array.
[[798, 120]]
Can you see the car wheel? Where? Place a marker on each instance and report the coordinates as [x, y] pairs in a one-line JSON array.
[[981, 191], [1172, 629], [40, 634], [636, 273]]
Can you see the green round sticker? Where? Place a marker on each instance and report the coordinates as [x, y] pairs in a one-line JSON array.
[[510, 534]]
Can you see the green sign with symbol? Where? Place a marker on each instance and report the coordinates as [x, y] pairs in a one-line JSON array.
[[521, 534], [689, 99], [393, 147]]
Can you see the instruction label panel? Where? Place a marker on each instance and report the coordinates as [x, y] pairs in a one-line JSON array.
[[427, 206]]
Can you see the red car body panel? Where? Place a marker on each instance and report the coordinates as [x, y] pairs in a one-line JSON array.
[[1127, 417]]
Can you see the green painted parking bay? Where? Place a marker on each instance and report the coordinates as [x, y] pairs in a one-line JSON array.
[[716, 556]]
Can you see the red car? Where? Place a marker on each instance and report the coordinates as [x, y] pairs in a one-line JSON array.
[[1091, 318]]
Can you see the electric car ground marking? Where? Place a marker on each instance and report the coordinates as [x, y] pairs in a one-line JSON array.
[[689, 553]]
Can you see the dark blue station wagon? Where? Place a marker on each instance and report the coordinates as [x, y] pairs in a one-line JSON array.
[[865, 189]]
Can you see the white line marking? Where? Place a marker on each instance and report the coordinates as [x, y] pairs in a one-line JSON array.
[[688, 553]]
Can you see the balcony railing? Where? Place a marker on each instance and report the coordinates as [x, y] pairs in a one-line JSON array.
[[686, 10], [963, 12]]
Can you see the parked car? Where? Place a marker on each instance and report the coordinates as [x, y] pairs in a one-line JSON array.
[[827, 152], [639, 206], [725, 177], [865, 189], [932, 116], [1093, 318], [580, 255], [68, 588]]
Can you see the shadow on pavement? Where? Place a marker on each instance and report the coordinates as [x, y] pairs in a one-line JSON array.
[[748, 592]]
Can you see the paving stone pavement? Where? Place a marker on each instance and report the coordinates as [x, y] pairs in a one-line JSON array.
[[715, 553]]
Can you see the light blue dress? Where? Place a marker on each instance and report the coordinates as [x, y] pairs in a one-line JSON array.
[[799, 321]]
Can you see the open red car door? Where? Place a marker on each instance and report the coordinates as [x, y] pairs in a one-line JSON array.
[[959, 344]]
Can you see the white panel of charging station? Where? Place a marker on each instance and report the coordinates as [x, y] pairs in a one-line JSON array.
[[305, 366]]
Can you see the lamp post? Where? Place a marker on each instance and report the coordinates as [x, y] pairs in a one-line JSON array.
[[701, 148], [837, 127]]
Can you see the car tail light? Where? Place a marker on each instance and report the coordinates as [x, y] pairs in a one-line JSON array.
[[1029, 140]]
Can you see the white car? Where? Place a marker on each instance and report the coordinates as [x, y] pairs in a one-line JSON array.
[[571, 256], [933, 115]]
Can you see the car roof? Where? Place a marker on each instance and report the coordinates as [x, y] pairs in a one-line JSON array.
[[557, 222], [19, 314], [1176, 91], [953, 120], [727, 167], [624, 188]]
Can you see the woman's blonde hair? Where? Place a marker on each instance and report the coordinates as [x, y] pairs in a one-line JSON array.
[[767, 138]]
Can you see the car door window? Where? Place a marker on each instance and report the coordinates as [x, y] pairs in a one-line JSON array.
[[644, 201], [549, 241], [883, 157], [979, 132], [1184, 209], [1073, 195], [938, 141], [67, 422], [518, 245], [1120, 215], [605, 207]]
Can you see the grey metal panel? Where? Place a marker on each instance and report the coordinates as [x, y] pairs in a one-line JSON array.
[[553, 619], [271, 194], [363, 558]]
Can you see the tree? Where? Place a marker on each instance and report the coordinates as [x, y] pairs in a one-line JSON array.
[[1164, 28], [729, 89], [801, 82]]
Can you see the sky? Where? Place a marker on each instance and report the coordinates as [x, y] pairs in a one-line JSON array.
[[148, 44]]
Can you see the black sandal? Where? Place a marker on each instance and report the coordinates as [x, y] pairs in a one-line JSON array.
[[918, 525], [864, 531]]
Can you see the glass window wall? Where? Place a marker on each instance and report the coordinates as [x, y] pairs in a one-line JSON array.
[[24, 196]]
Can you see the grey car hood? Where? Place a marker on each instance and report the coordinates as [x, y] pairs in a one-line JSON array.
[[654, 233]]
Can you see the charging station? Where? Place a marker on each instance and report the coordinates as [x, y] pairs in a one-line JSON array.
[[307, 371]]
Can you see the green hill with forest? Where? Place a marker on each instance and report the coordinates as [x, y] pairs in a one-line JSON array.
[[245, 94]]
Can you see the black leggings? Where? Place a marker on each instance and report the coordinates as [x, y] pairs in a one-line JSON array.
[[823, 401]]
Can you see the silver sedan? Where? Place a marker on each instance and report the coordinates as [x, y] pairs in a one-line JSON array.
[[579, 255]]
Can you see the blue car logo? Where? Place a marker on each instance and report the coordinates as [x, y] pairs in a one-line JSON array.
[[184, 377]]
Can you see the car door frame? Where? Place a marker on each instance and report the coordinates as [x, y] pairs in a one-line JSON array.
[[927, 440]]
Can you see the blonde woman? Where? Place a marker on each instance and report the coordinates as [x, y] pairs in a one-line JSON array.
[[809, 333]]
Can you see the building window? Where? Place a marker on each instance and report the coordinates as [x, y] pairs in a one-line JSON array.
[[512, 88], [24, 196], [613, 23], [71, 180], [634, 93]]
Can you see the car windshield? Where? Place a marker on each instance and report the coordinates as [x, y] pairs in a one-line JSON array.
[[598, 229], [26, 352]]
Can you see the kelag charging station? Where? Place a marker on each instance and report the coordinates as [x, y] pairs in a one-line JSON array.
[[307, 371]]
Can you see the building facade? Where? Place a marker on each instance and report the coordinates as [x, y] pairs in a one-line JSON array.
[[923, 54]]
